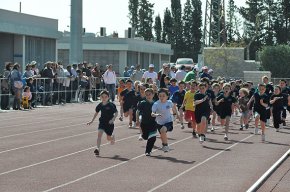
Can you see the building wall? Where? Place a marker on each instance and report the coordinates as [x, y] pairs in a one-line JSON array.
[[6, 49]]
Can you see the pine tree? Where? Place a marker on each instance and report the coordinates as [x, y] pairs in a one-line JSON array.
[[167, 35], [196, 28], [282, 22], [158, 28], [133, 14], [145, 20], [177, 43], [187, 49]]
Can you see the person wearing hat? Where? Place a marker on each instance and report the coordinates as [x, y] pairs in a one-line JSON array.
[[137, 74], [131, 70], [150, 74], [205, 73]]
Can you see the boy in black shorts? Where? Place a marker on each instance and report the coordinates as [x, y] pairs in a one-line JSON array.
[[106, 121], [148, 124], [202, 104], [177, 100], [226, 102]]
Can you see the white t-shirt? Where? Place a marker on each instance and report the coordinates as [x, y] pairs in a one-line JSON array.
[[163, 109], [152, 75]]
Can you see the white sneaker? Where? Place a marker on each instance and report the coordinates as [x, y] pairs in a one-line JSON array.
[[134, 125], [263, 138], [201, 138], [256, 132], [113, 140], [166, 149], [226, 137], [140, 137], [212, 129], [182, 126]]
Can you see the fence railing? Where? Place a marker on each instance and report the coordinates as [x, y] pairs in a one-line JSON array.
[[46, 91]]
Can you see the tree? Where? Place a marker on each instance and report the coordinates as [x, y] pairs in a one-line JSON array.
[[196, 28], [158, 28], [233, 24], [275, 58], [145, 20], [167, 36], [177, 43], [133, 14], [281, 24], [187, 49]]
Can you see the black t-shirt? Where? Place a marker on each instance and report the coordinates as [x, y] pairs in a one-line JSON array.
[[145, 110], [226, 105], [279, 103], [178, 97], [258, 97], [139, 98], [129, 97], [204, 106], [107, 111], [269, 88], [210, 94]]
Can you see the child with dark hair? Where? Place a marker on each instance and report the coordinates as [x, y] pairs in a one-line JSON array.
[[106, 122], [261, 101], [216, 112], [277, 103], [173, 87], [146, 121], [128, 97], [121, 88], [26, 98], [202, 104], [161, 109], [177, 99], [226, 102]]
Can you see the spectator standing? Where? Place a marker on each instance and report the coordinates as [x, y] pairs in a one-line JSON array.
[[131, 70], [181, 73], [96, 82], [48, 75], [205, 73], [17, 85], [110, 81], [137, 74], [126, 73], [172, 73], [5, 86], [87, 70], [74, 79], [165, 73], [150, 74]]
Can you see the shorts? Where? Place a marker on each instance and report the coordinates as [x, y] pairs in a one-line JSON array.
[[224, 114], [126, 108], [245, 114], [263, 115], [169, 126], [107, 128], [189, 116], [200, 114]]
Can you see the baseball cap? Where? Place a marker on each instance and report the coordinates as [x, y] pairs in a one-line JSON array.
[[151, 65]]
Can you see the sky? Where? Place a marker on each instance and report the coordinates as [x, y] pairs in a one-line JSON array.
[[112, 14]]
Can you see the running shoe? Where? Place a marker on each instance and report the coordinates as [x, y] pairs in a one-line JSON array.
[[97, 152], [212, 129], [182, 126], [113, 140], [121, 118], [242, 128], [194, 134], [201, 138], [226, 137], [134, 125], [166, 149], [140, 137], [148, 154], [263, 138], [256, 131], [130, 126], [247, 126]]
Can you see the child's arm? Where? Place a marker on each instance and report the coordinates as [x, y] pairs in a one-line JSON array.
[[95, 115], [113, 119], [250, 101], [174, 110], [137, 118], [197, 102]]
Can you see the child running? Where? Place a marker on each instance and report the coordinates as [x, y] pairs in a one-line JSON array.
[[106, 122], [260, 113], [177, 99], [146, 121], [161, 110], [226, 103], [188, 104], [120, 89], [243, 107], [202, 104], [277, 103]]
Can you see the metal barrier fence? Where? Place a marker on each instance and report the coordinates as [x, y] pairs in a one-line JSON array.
[[46, 91]]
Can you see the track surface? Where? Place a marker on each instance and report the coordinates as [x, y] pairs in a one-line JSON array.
[[51, 149]]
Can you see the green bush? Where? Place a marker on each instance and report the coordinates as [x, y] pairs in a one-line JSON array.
[[277, 60]]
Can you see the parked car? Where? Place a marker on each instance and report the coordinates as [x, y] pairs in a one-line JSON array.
[[187, 62]]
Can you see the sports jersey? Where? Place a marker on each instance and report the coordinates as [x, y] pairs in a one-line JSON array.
[[107, 111], [163, 109], [178, 97], [189, 97], [145, 108]]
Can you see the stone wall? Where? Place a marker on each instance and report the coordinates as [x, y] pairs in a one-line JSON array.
[[256, 76], [227, 62]]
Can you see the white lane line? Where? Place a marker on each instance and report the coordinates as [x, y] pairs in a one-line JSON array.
[[199, 164], [60, 157], [23, 124], [50, 141], [105, 169], [41, 130]]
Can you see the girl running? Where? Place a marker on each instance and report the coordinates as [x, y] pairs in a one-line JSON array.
[[277, 103], [243, 107]]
